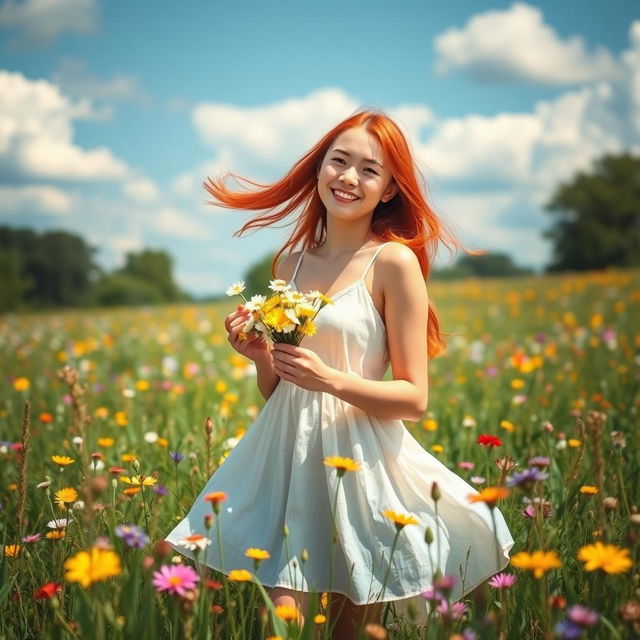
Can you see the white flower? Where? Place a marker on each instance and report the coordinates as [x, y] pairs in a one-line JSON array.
[[561, 444], [314, 295], [151, 437], [236, 288], [255, 303], [231, 442], [78, 505], [291, 314], [248, 325], [468, 422], [195, 542], [293, 297], [96, 465], [279, 285], [60, 523], [77, 441], [128, 393]]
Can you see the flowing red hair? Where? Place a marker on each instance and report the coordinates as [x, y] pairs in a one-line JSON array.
[[406, 218]]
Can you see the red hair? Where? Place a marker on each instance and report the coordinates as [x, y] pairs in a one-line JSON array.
[[406, 218]]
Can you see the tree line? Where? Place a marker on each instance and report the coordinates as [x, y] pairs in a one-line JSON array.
[[58, 269], [595, 225]]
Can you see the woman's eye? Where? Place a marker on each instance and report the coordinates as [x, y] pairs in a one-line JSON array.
[[338, 159], [375, 173]]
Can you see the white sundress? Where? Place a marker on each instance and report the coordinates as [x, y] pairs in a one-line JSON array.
[[275, 475]]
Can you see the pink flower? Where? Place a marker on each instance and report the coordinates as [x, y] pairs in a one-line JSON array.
[[177, 579], [451, 612], [502, 581], [466, 465]]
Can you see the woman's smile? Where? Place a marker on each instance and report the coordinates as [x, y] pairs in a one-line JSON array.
[[344, 196]]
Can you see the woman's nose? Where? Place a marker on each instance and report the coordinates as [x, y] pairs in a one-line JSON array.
[[349, 175]]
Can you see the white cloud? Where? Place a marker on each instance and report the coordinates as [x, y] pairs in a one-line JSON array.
[[173, 222], [141, 190], [74, 80], [515, 44], [39, 22], [36, 134], [42, 199]]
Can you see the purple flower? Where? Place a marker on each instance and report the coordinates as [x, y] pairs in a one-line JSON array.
[[539, 461], [177, 579], [568, 630], [502, 581], [451, 612], [160, 490], [132, 535], [491, 371], [582, 616], [176, 456], [34, 537], [526, 479]]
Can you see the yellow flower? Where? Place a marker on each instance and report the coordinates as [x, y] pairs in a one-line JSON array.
[[106, 442], [539, 561], [162, 442], [319, 619], [101, 412], [21, 384], [573, 442], [401, 520], [142, 385], [285, 612], [507, 426], [607, 557], [489, 495], [240, 575], [221, 386], [11, 550], [430, 424], [257, 554], [139, 481], [589, 490], [308, 328], [95, 565], [437, 448], [270, 304], [121, 418], [55, 535], [341, 464], [62, 461], [65, 496], [277, 319], [517, 383], [129, 457]]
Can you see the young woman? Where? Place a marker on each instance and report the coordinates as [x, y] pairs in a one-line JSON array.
[[365, 237]]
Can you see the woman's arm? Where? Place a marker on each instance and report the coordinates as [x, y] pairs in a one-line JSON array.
[[406, 311]]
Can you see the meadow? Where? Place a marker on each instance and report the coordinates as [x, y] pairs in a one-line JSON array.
[[111, 421]]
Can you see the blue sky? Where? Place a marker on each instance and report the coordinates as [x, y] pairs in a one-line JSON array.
[[113, 113]]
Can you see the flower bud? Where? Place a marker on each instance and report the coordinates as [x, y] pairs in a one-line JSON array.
[[435, 492], [428, 536]]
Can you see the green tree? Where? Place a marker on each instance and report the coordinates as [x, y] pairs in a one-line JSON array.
[[258, 276], [487, 265], [597, 217], [154, 267]]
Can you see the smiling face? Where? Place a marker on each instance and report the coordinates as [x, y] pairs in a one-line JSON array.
[[354, 176]]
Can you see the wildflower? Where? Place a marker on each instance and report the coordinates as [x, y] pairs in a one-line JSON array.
[[618, 439], [478, 479], [236, 289], [279, 285], [240, 575], [57, 534], [574, 442], [151, 437], [507, 426], [106, 442], [526, 479], [160, 490], [444, 584], [489, 441], [62, 461], [502, 580], [567, 630], [11, 550], [129, 457], [65, 496], [489, 495], [131, 491], [582, 616], [541, 462], [195, 542], [176, 456], [430, 424], [45, 484], [437, 448], [139, 481], [401, 520], [342, 464], [30, 539], [21, 384], [47, 591], [375, 631], [176, 579], [319, 618], [610, 503], [607, 557], [59, 523], [257, 554], [539, 561], [94, 565], [468, 466], [588, 490], [215, 499], [287, 613], [132, 535], [537, 505], [468, 422], [451, 612]]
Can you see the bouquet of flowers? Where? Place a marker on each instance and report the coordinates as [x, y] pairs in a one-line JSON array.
[[285, 316]]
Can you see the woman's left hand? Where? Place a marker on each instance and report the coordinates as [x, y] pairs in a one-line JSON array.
[[301, 366]]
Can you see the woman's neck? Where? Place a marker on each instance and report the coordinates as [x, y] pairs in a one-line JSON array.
[[348, 237]]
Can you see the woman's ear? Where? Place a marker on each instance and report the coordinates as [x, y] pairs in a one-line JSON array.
[[390, 191]]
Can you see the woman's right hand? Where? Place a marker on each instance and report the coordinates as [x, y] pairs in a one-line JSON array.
[[254, 346]]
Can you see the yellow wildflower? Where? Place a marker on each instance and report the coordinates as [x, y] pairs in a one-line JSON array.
[[94, 565]]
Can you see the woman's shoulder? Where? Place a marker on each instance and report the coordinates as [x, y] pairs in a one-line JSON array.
[[397, 257], [286, 266]]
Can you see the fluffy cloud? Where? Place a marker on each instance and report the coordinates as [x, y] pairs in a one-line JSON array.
[[36, 135], [39, 22], [515, 44], [43, 199]]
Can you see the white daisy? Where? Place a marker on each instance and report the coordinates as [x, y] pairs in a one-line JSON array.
[[255, 303], [195, 542], [60, 523], [279, 285], [236, 288], [314, 295], [248, 325], [291, 314]]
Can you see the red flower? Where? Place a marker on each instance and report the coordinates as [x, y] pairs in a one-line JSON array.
[[48, 591], [487, 440]]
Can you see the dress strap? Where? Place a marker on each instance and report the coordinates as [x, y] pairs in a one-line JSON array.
[[295, 271], [373, 259]]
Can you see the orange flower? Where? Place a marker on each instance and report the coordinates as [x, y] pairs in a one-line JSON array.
[[215, 499], [489, 495], [400, 519], [539, 561], [342, 464], [588, 490]]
